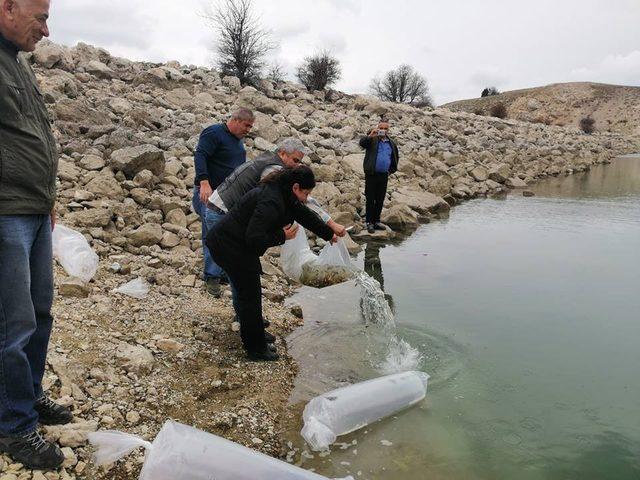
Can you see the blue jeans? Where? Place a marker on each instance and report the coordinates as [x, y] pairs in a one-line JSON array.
[[26, 296], [209, 219]]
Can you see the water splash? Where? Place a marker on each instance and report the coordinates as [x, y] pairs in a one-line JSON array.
[[400, 356]]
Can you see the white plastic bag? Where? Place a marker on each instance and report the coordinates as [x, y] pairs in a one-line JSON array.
[[74, 253], [335, 254], [138, 288], [295, 253], [180, 452], [350, 408]]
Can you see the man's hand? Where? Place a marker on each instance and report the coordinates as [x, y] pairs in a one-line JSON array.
[[205, 191], [334, 240], [54, 217], [373, 133], [338, 229], [290, 231]]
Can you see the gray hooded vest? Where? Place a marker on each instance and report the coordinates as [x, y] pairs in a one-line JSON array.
[[246, 177]]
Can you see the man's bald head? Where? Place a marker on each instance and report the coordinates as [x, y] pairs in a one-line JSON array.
[[24, 22]]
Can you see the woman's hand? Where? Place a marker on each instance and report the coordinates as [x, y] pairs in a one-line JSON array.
[[290, 231], [338, 229], [334, 239]]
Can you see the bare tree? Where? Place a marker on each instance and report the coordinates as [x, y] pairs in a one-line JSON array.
[[319, 71], [241, 44], [402, 85], [276, 72], [489, 92]]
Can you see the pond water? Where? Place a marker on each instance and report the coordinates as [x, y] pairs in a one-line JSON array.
[[526, 313]]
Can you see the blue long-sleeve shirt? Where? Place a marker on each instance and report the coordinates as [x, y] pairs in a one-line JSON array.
[[383, 160], [218, 153]]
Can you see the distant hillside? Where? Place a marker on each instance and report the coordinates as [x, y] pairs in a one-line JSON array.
[[614, 108]]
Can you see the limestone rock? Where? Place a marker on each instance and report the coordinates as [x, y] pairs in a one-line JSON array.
[[93, 217], [99, 69], [74, 287], [480, 174], [131, 160], [147, 234], [105, 185], [515, 182], [135, 358], [92, 162]]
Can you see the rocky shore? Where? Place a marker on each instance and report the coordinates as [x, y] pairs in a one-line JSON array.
[[126, 132]]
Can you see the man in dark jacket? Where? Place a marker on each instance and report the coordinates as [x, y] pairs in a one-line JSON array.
[[219, 152], [28, 166], [380, 160]]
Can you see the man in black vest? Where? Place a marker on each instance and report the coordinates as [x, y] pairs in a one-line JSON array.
[[380, 160], [28, 167]]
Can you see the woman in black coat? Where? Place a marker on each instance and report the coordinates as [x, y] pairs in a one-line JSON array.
[[262, 219]]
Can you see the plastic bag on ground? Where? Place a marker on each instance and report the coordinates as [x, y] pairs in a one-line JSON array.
[[137, 288], [350, 408], [332, 266], [180, 452], [74, 253]]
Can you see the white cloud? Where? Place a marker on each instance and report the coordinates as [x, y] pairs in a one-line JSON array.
[[460, 46], [618, 68]]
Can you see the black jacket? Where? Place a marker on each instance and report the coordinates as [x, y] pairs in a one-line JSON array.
[[255, 224], [371, 155]]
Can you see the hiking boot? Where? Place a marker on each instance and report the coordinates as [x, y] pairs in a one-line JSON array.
[[33, 451], [266, 355], [51, 413], [371, 228], [272, 347], [224, 280], [269, 337], [213, 287], [378, 226]]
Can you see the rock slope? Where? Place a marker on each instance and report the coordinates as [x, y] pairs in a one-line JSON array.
[[127, 132], [614, 108]]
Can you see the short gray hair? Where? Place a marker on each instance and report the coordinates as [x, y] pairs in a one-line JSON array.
[[243, 114], [292, 144]]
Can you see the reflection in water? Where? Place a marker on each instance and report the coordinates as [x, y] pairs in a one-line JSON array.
[[373, 267]]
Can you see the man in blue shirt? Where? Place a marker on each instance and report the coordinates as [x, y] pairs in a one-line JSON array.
[[380, 160], [220, 151]]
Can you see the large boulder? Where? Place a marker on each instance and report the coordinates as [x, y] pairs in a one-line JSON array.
[[420, 201], [131, 160], [49, 55], [147, 234], [399, 217], [135, 358], [93, 217], [105, 185]]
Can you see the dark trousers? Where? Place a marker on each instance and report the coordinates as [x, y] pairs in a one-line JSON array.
[[375, 189], [248, 304], [26, 296]]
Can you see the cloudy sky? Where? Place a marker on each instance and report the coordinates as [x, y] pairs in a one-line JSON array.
[[461, 46]]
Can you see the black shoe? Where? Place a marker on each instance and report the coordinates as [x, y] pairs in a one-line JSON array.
[[371, 228], [213, 287], [32, 451], [51, 413], [272, 347], [224, 280], [269, 337], [378, 226], [266, 355], [266, 323]]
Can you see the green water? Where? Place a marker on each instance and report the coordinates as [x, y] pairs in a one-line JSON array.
[[527, 314]]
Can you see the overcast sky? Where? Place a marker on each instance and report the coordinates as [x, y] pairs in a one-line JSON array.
[[460, 46]]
